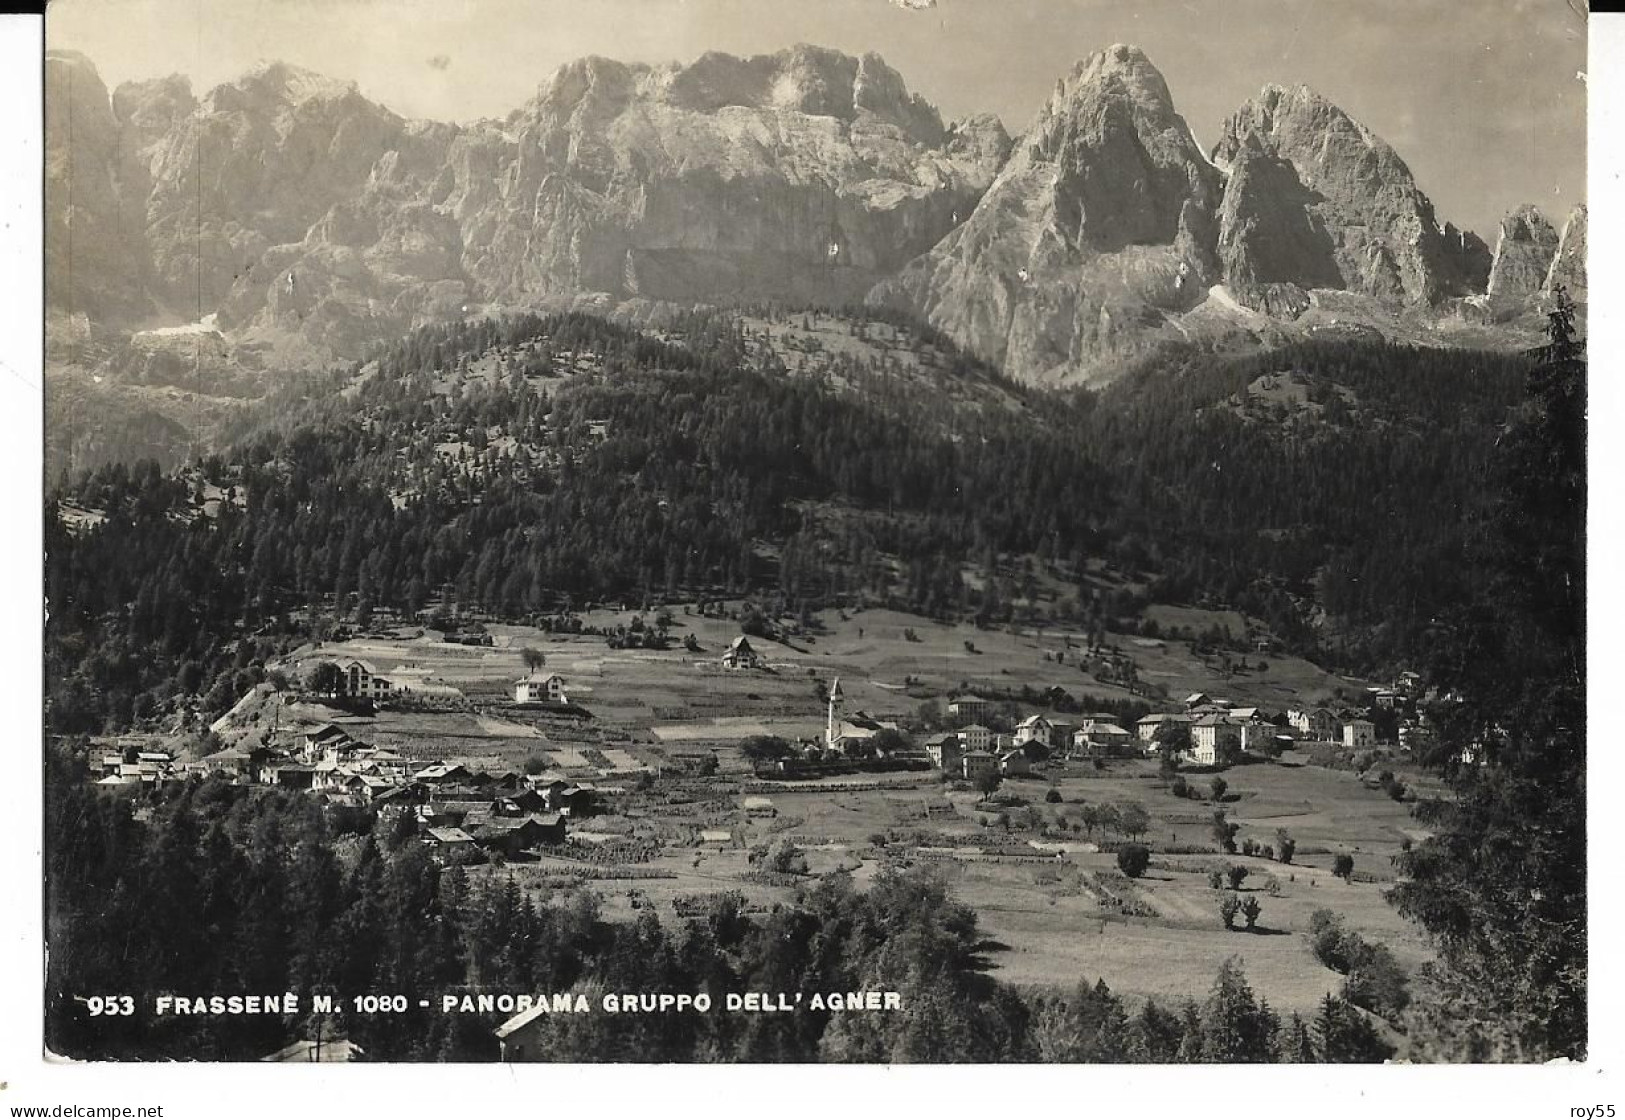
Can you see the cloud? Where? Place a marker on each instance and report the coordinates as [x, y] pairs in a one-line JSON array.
[[440, 62]]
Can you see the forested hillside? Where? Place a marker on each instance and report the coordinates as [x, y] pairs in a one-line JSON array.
[[522, 466]]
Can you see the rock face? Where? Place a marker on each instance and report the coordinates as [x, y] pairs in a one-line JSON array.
[[1569, 262], [1095, 233], [96, 256], [1316, 200], [1524, 254], [305, 216], [1109, 232]]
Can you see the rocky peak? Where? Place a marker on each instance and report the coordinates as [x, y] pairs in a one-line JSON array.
[[1098, 230], [1569, 262], [1351, 201], [1524, 252], [1125, 162], [270, 86]]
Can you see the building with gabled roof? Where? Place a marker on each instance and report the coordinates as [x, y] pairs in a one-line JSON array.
[[742, 655], [540, 688]]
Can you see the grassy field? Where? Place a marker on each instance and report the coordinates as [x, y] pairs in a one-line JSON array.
[[1054, 903]]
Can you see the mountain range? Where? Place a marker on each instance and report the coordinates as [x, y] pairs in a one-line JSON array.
[[290, 221]]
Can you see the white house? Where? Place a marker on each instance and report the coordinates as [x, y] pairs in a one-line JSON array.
[[1097, 737], [976, 737], [741, 655], [1035, 729], [1318, 724], [944, 751], [969, 706], [362, 681], [977, 763], [535, 688], [1214, 740], [1359, 734]]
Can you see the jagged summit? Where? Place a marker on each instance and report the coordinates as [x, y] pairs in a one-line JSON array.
[[281, 83], [321, 220]]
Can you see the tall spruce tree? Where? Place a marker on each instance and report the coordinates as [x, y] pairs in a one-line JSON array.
[[1500, 884]]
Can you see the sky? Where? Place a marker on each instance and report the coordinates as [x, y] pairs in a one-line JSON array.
[[1487, 108]]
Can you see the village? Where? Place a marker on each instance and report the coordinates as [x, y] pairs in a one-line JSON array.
[[654, 774]]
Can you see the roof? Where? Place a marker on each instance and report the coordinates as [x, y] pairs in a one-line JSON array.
[[1166, 717], [1015, 753], [1032, 721], [1213, 719], [519, 1020], [1095, 727], [715, 835], [740, 644], [450, 836], [968, 698], [1244, 713], [440, 770], [758, 803], [1196, 698], [975, 727], [535, 676], [327, 731]]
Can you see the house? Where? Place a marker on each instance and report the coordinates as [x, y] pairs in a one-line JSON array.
[[295, 776], [361, 681], [1262, 738], [1359, 734], [1409, 683], [1214, 741], [1317, 724], [1061, 734], [519, 803], [944, 751], [976, 763], [1035, 728], [512, 835], [1197, 699], [1015, 763], [443, 773], [448, 839], [365, 788], [1098, 738], [317, 742], [976, 737], [760, 807], [229, 761], [716, 836], [741, 655], [535, 688], [328, 777], [970, 707]]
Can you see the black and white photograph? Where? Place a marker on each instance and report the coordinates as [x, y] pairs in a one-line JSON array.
[[876, 532]]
